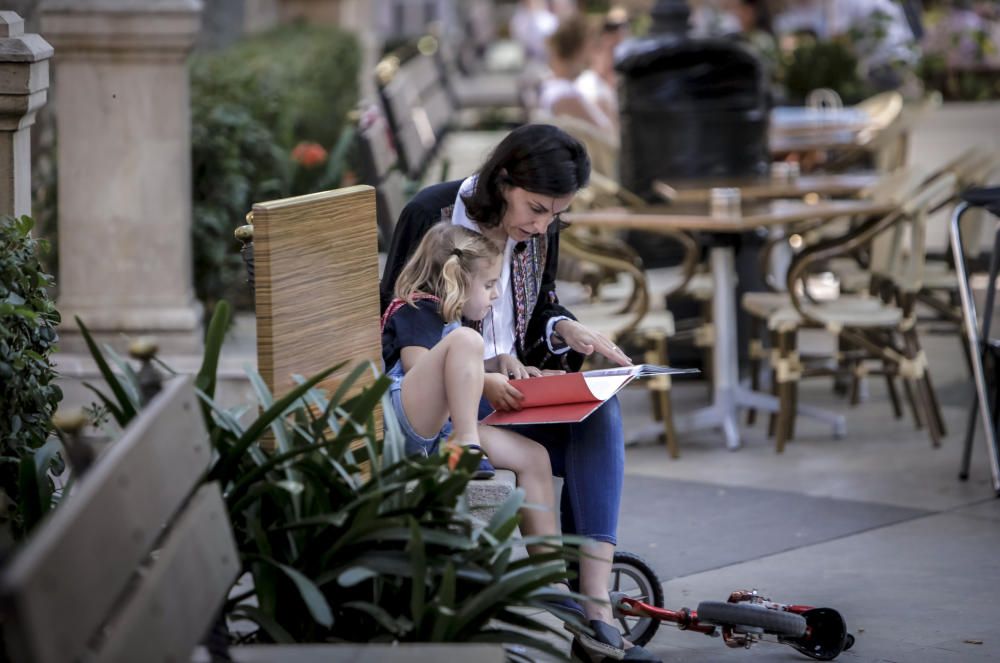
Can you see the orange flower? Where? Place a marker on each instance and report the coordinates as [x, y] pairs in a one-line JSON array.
[[454, 452], [309, 154]]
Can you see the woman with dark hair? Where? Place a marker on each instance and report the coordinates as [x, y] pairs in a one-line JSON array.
[[515, 200]]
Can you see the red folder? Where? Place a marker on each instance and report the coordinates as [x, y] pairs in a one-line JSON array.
[[572, 397]]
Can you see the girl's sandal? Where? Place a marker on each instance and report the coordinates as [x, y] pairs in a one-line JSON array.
[[485, 469], [454, 452]]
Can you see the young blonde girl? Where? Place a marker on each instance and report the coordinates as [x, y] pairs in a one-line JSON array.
[[437, 364]]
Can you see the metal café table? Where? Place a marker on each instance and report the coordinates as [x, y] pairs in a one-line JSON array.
[[729, 395]]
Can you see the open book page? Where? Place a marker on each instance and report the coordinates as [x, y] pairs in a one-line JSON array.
[[640, 371]]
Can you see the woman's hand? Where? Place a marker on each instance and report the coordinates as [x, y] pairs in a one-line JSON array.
[[588, 342], [499, 392], [512, 367]]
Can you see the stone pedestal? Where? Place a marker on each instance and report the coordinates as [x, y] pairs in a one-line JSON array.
[[24, 81], [124, 155]]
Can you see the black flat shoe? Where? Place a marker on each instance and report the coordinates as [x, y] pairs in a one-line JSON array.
[[607, 645], [637, 653], [567, 605]]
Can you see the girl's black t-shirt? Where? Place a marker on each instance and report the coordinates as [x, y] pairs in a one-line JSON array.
[[419, 325]]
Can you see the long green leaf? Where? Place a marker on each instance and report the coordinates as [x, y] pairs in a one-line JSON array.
[[128, 412], [345, 386], [130, 383], [446, 599], [528, 622], [274, 462], [270, 625], [398, 626], [418, 558], [29, 502], [355, 575], [227, 463], [109, 404], [506, 512], [512, 584], [308, 591], [207, 375]]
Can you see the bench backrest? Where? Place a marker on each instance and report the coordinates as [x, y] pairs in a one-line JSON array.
[[316, 259], [85, 586]]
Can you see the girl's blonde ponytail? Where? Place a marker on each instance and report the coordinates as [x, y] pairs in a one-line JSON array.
[[443, 265]]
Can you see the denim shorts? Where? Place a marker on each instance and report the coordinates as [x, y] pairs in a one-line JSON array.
[[415, 445]]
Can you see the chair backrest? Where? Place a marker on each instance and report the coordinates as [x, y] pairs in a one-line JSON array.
[[418, 105], [899, 253], [316, 259], [380, 168], [131, 566]]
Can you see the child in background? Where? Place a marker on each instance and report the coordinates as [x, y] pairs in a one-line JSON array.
[[437, 364]]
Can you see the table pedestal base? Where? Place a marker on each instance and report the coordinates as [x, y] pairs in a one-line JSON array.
[[723, 414]]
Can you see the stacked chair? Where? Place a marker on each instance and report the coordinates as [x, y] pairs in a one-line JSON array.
[[879, 325]]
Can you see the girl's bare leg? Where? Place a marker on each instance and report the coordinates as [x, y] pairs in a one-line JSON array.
[[530, 462], [446, 381]]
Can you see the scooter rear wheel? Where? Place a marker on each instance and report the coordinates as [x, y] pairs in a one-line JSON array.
[[633, 577]]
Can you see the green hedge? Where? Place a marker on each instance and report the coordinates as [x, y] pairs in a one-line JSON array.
[[251, 105], [28, 393]]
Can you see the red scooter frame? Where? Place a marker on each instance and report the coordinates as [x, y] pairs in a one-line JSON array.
[[825, 633]]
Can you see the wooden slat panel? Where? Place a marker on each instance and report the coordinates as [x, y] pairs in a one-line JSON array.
[[168, 611], [317, 285], [84, 554]]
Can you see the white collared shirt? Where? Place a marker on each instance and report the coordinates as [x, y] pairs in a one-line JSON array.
[[500, 320], [498, 326]]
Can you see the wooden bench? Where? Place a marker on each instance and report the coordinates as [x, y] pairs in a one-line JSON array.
[[317, 298], [137, 561], [433, 142]]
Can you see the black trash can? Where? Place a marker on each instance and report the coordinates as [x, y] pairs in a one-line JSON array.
[[690, 109]]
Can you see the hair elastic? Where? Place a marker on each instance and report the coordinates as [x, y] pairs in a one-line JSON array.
[[456, 252]]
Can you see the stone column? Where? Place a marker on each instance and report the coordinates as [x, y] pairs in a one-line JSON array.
[[124, 155], [24, 81]]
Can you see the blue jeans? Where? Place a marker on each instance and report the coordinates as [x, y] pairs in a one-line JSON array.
[[590, 457]]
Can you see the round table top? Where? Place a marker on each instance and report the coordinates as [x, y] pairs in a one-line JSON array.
[[763, 187], [752, 216]]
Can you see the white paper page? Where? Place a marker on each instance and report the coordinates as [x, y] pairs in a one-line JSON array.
[[604, 387]]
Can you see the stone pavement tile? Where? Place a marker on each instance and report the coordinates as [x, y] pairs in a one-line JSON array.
[[684, 527], [880, 460], [988, 508], [918, 589]]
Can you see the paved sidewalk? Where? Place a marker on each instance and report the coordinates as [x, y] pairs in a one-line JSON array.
[[876, 525]]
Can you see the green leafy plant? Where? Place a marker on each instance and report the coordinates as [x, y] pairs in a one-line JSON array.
[[28, 393], [348, 539], [824, 64], [251, 105]]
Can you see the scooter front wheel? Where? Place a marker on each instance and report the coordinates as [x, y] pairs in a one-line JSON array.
[[738, 615]]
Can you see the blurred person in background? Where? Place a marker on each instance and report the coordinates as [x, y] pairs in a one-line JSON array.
[[531, 25], [599, 82], [570, 48]]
